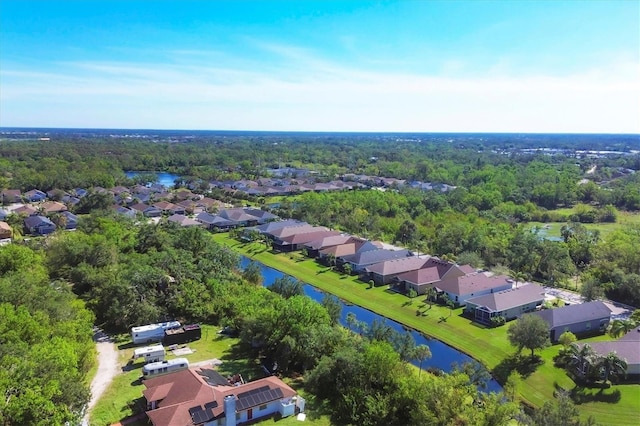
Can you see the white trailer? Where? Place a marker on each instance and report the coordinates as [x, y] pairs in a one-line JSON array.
[[164, 367], [152, 332], [153, 353]]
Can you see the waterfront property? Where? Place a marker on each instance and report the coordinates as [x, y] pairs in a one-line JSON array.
[[460, 288], [584, 319], [204, 397], [627, 347], [384, 272], [508, 304]]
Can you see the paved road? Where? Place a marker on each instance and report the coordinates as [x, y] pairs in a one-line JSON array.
[[108, 368]]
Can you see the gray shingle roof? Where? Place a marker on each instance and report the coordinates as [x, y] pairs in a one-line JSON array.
[[507, 299], [574, 314]]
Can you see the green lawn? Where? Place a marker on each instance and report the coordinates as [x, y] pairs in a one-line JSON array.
[[124, 398], [488, 345]]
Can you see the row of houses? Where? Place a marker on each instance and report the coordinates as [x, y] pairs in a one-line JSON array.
[[485, 296]]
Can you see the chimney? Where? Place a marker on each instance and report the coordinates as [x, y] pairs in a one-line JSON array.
[[230, 410]]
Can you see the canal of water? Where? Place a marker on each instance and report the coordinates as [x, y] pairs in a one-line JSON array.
[[443, 356]]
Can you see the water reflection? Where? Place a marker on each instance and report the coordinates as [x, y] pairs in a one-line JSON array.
[[442, 355]]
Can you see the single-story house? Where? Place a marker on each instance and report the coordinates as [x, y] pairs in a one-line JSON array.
[[146, 210], [35, 196], [71, 220], [384, 272], [5, 231], [627, 347], [313, 247], [286, 231], [214, 222], [474, 284], [3, 214], [261, 215], [296, 241], [125, 211], [52, 207], [26, 210], [10, 196], [270, 227], [588, 318], [360, 260], [508, 304], [240, 216], [183, 220], [353, 246], [432, 272], [39, 225], [204, 397], [169, 208]]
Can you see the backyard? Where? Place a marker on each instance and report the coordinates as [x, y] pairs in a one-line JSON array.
[[123, 398], [488, 345]]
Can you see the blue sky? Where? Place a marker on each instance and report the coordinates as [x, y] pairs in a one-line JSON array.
[[414, 66]]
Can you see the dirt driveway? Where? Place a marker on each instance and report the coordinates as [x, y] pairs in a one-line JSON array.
[[108, 368]]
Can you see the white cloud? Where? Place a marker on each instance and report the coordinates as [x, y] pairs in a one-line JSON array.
[[300, 91]]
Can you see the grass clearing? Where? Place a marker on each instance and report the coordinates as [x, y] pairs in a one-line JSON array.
[[552, 229], [490, 346]]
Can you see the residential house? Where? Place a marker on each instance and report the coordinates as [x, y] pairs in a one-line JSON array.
[[384, 272], [239, 216], [296, 241], [6, 232], [169, 208], [583, 319], [508, 304], [195, 397], [349, 248], [183, 220], [270, 227], [3, 214], [10, 196], [52, 207], [71, 220], [125, 211], [261, 215], [35, 196], [39, 225], [146, 210], [313, 247], [26, 210], [360, 260], [278, 234], [473, 284], [433, 271], [627, 347], [214, 222]]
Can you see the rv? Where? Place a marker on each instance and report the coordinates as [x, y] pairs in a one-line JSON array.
[[153, 353], [185, 334], [151, 332], [164, 367]]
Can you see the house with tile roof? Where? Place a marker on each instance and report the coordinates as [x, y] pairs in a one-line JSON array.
[[384, 272], [313, 247], [296, 241], [6, 232], [583, 319], [508, 304], [183, 220], [360, 260], [472, 284], [214, 222], [196, 397], [39, 225], [432, 272], [351, 247]]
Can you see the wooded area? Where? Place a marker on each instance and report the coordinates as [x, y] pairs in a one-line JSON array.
[[117, 273]]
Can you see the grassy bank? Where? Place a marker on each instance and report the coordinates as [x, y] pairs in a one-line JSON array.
[[488, 345]]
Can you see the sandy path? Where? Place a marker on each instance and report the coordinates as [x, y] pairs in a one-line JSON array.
[[108, 368]]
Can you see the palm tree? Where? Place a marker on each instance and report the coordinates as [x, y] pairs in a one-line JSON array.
[[621, 327], [421, 352], [447, 301], [612, 366], [518, 276], [431, 294], [581, 358]]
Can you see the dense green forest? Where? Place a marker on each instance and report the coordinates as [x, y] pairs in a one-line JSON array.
[[117, 273], [501, 186]]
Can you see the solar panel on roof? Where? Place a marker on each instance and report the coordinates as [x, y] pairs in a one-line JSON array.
[[253, 391], [211, 405]]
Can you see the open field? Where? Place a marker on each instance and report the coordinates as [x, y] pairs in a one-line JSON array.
[[488, 345], [552, 229], [124, 398]]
